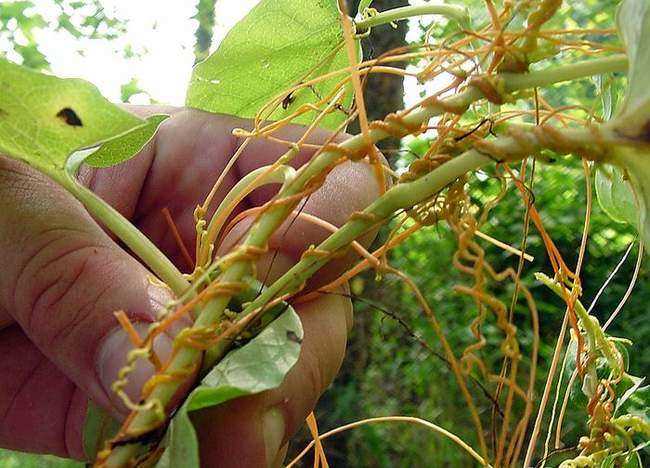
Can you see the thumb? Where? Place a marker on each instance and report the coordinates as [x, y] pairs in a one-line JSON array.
[[62, 279], [251, 431]]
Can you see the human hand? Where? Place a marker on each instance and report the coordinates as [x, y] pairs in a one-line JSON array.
[[63, 277]]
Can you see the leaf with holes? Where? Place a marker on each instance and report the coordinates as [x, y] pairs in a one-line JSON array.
[[44, 119], [260, 365], [255, 63]]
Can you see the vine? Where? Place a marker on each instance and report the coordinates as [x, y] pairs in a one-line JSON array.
[[496, 64]]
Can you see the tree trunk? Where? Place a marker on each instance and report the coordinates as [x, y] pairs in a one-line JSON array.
[[383, 93], [205, 17]]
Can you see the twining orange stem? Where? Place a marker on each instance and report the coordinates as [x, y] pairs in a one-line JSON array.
[[319, 453], [177, 237], [126, 324]]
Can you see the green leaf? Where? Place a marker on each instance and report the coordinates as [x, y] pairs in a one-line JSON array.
[[98, 426], [633, 22], [44, 119], [611, 91], [615, 195], [11, 459], [633, 460], [280, 43], [636, 385], [636, 162], [260, 365], [182, 444], [124, 147]]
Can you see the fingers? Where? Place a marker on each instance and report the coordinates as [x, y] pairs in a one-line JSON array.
[[251, 431], [41, 409], [192, 148], [63, 277]]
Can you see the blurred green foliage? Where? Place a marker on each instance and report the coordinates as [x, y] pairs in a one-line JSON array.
[[388, 372], [21, 20]]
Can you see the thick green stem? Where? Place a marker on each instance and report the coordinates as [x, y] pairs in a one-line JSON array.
[[459, 14], [251, 181], [549, 76], [129, 234], [405, 195]]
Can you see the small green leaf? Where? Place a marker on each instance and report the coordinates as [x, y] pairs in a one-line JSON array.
[[43, 119], [419, 146], [98, 427], [126, 146], [260, 365], [633, 460], [611, 92], [182, 444], [636, 385], [636, 162], [615, 195], [280, 43], [633, 22]]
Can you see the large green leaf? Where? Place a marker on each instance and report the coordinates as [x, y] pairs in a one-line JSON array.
[[260, 365], [280, 43], [43, 119], [633, 22]]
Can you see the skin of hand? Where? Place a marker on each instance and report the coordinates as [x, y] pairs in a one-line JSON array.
[[63, 277]]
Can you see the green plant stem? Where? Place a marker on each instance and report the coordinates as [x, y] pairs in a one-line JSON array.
[[398, 197], [405, 195], [129, 234], [597, 337], [244, 187], [454, 12], [549, 76]]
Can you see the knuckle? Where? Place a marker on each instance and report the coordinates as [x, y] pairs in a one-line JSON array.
[[53, 284]]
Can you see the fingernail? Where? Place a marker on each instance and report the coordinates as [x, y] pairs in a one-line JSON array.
[[113, 357], [274, 428]]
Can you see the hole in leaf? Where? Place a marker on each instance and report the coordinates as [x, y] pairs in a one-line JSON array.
[[291, 336], [70, 117]]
